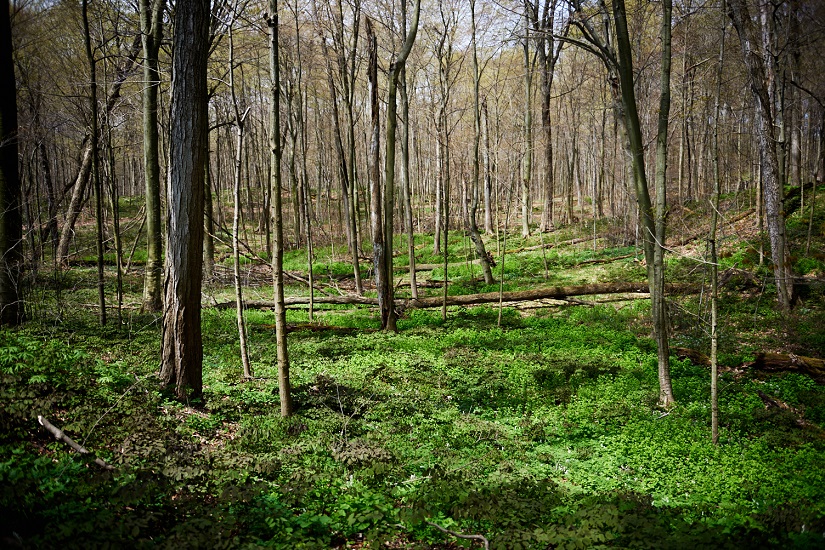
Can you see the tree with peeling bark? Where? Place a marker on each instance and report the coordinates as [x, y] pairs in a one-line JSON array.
[[11, 223], [182, 346]]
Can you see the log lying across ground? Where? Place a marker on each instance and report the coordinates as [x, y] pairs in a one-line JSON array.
[[767, 362], [547, 293]]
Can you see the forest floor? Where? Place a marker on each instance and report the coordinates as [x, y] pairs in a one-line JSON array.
[[535, 426]]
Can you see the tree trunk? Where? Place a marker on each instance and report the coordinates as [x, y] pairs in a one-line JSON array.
[[182, 348], [758, 58], [151, 23], [284, 387], [98, 187], [472, 226], [11, 222], [240, 121]]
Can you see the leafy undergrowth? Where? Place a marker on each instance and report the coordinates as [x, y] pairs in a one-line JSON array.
[[543, 433]]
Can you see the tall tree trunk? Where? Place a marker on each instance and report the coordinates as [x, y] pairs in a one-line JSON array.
[[714, 268], [660, 317], [182, 348], [472, 226], [240, 121], [759, 61], [98, 187], [406, 185], [527, 160], [379, 244], [11, 221], [151, 23], [284, 387], [387, 293]]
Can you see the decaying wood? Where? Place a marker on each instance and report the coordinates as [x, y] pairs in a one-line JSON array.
[[60, 436], [767, 362], [779, 362], [556, 293], [550, 245]]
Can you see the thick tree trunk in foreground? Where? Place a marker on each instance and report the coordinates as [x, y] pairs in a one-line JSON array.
[[11, 224], [182, 353]]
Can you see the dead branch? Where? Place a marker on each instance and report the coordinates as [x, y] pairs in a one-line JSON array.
[[481, 538], [60, 436]]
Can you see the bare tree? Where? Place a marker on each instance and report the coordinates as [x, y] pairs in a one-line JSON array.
[[759, 57], [284, 388], [151, 25]]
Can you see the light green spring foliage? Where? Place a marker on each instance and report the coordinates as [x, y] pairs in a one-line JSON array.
[[543, 431]]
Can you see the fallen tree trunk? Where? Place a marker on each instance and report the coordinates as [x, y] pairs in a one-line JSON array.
[[779, 362], [767, 362], [550, 245], [548, 293]]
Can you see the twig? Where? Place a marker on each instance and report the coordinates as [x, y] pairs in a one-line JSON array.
[[482, 538], [60, 436]]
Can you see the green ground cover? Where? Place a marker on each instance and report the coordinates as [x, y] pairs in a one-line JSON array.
[[540, 432]]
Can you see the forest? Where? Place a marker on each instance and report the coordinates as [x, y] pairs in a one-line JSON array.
[[434, 274]]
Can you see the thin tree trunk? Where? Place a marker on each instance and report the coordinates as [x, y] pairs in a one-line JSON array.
[[240, 120], [98, 187], [714, 268], [284, 388], [151, 22]]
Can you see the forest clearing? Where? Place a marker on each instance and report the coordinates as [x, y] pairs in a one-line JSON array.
[[430, 274]]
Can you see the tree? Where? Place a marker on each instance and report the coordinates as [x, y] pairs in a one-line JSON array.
[[470, 213], [284, 388], [759, 57], [386, 290], [182, 347], [94, 133], [618, 60], [11, 223], [151, 27]]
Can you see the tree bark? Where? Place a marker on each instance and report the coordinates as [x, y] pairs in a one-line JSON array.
[[284, 387], [182, 348], [11, 222], [759, 61], [94, 133], [151, 23]]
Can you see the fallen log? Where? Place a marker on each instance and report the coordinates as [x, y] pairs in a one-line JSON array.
[[767, 362], [554, 293], [779, 362], [550, 245]]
